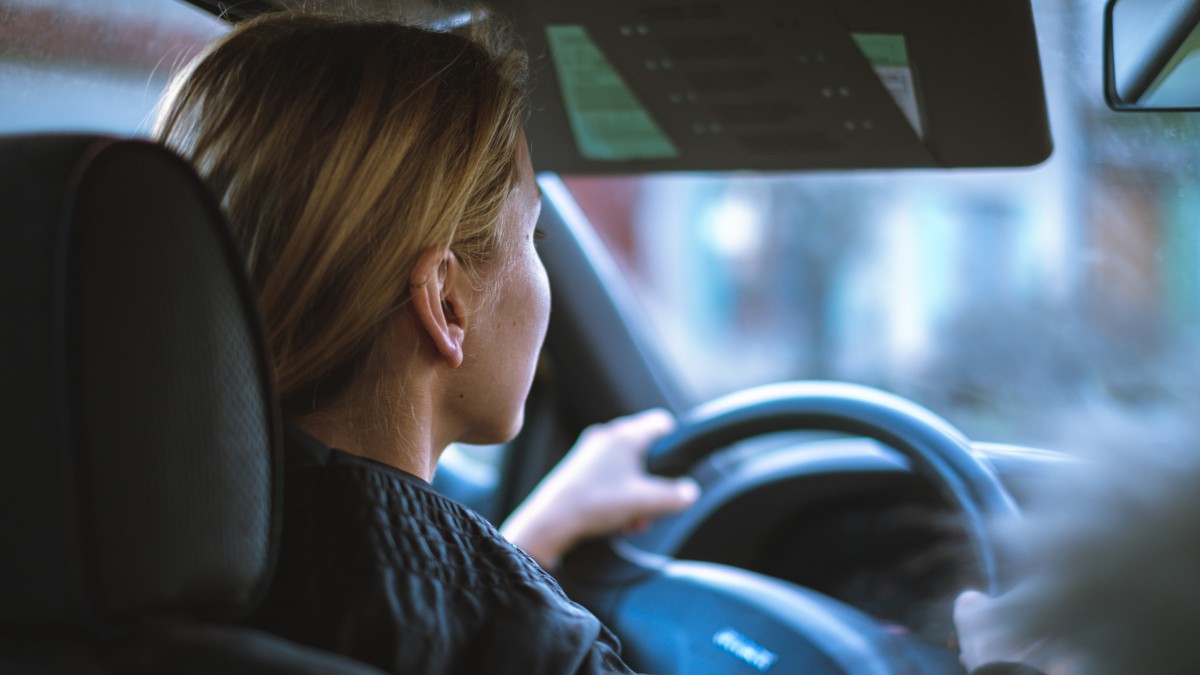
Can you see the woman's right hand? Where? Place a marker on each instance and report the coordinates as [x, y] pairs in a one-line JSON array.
[[601, 487]]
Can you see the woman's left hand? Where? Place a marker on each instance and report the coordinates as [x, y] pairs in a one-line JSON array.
[[601, 487], [985, 637]]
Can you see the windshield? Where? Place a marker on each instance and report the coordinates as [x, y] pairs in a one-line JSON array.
[[1000, 299], [82, 65]]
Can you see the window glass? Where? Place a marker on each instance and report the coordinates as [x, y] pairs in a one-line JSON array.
[[998, 298], [84, 65]]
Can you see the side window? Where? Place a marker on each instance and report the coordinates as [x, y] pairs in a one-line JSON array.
[[93, 65]]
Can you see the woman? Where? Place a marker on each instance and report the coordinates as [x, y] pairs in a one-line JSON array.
[[379, 178]]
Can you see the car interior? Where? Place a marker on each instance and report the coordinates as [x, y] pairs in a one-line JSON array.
[[839, 519]]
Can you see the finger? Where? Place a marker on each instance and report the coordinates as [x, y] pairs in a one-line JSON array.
[[655, 415], [639, 431], [659, 417], [969, 604], [660, 496]]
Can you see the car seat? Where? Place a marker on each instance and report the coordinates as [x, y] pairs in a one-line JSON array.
[[139, 492]]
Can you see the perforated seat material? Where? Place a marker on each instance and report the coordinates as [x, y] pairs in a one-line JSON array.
[[160, 331], [140, 454]]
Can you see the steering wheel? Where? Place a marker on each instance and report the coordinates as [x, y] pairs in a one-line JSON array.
[[694, 617]]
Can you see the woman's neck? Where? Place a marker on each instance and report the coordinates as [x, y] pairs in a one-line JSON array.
[[393, 412], [396, 432]]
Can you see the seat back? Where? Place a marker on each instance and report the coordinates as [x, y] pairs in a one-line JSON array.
[[141, 439], [139, 489]]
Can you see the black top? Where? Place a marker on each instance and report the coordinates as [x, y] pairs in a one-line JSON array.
[[377, 566]]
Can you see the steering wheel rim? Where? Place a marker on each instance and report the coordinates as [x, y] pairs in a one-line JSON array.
[[611, 572], [935, 448]]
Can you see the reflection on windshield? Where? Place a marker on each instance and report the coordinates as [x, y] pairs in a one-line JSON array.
[[997, 298]]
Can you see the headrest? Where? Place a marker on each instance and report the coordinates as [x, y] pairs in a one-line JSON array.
[[139, 434]]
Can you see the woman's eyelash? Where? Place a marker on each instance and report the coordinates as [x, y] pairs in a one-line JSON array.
[[539, 234]]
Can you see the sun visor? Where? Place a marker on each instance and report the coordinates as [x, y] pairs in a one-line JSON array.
[[625, 86]]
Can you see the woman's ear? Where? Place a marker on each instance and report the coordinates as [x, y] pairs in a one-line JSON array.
[[437, 291]]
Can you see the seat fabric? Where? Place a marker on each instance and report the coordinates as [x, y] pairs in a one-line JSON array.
[[138, 500]]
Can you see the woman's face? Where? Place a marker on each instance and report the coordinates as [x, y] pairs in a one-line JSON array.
[[501, 349]]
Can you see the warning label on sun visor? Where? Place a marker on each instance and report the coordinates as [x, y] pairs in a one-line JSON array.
[[608, 122], [888, 56]]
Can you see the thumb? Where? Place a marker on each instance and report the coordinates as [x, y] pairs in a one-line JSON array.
[[969, 604]]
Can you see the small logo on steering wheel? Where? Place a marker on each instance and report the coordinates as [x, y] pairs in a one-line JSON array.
[[745, 649]]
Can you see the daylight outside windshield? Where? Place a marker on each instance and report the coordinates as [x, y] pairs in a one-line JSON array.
[[1001, 299], [85, 65]]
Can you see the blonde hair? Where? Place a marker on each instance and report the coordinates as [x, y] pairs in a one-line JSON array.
[[341, 149]]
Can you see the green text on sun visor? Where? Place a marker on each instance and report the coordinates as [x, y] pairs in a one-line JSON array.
[[608, 121]]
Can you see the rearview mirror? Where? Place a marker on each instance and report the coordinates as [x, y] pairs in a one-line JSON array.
[[1152, 54]]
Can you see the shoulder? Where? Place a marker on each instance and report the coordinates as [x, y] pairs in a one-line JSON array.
[[397, 520], [378, 565]]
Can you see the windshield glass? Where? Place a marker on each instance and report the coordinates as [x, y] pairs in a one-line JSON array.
[[82, 65], [998, 298]]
